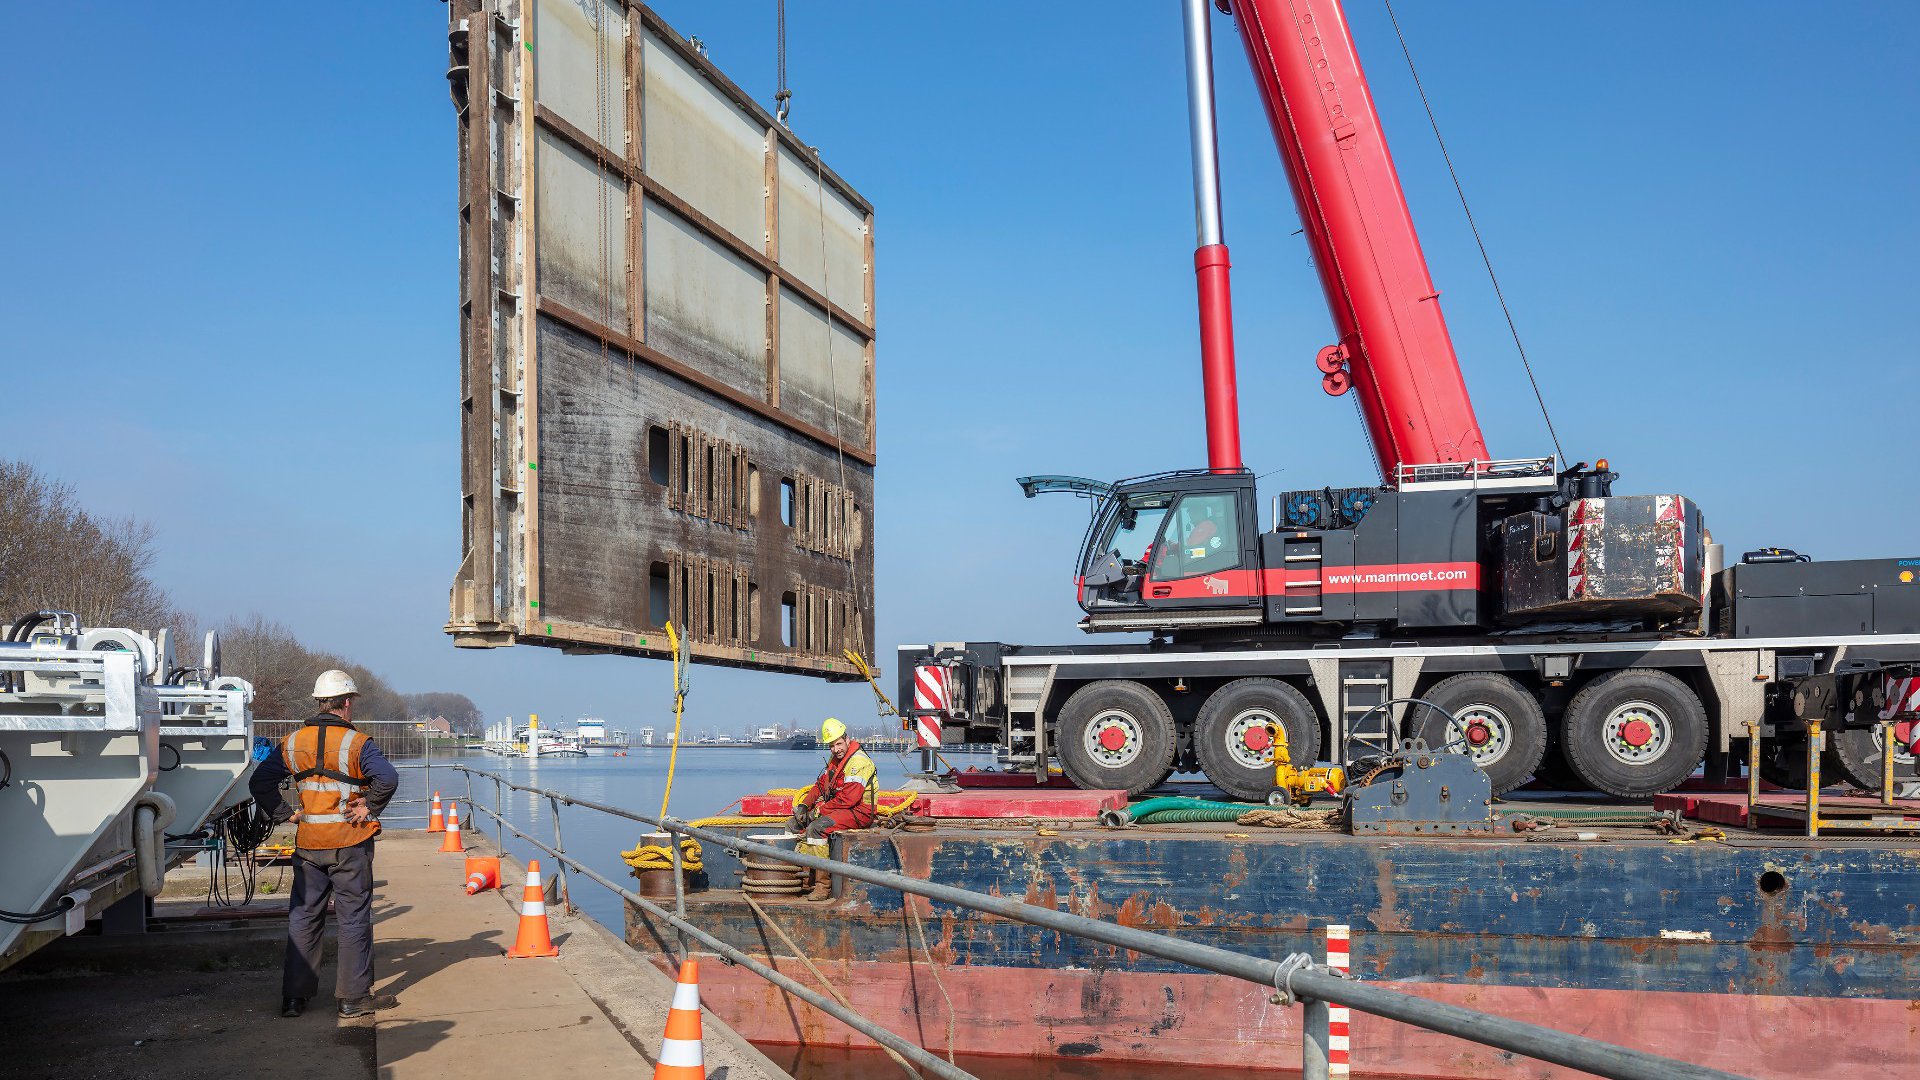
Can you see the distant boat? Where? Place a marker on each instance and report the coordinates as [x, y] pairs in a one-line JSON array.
[[561, 748], [802, 740]]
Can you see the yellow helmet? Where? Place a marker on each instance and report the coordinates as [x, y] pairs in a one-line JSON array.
[[832, 729]]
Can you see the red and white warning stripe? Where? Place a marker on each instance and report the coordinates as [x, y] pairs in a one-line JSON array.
[[930, 703], [1902, 698], [1338, 1016], [1579, 516]]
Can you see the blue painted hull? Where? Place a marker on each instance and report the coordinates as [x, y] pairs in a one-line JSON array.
[[1731, 940]]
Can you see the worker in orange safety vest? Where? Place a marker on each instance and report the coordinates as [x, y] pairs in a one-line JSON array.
[[332, 781]]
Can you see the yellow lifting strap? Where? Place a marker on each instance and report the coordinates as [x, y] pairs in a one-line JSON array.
[[882, 702], [658, 856]]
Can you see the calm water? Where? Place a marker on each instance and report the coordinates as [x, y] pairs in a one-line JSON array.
[[706, 781]]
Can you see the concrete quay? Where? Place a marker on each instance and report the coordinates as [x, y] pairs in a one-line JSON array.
[[197, 996]]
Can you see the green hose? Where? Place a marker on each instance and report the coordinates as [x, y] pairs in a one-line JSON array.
[[1181, 802], [1165, 809], [1216, 812]]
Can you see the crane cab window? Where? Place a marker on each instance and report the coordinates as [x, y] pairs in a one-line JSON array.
[[1200, 536], [1131, 529]]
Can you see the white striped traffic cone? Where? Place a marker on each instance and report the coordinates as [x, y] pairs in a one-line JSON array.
[[682, 1055], [452, 842], [533, 938]]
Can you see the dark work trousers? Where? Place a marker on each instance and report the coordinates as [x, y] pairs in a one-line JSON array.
[[346, 875]]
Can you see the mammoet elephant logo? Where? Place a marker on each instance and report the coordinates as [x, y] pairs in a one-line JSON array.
[[1217, 586]]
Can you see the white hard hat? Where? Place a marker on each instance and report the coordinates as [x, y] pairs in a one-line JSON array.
[[333, 684]]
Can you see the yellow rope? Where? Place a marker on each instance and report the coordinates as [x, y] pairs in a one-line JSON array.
[[659, 857], [679, 705]]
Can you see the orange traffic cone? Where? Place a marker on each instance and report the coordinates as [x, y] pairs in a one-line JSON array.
[[532, 938], [483, 873], [436, 821], [452, 842], [682, 1056]]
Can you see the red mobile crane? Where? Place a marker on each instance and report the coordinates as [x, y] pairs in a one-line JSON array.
[[1545, 614]]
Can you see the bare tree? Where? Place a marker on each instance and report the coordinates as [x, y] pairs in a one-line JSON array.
[[53, 554]]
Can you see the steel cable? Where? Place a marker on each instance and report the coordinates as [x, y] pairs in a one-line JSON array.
[[1471, 224]]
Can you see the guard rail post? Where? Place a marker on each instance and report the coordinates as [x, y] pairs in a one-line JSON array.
[[679, 895], [499, 815], [566, 893], [1315, 1042]]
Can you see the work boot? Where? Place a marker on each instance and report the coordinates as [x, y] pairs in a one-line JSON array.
[[292, 1007], [819, 886], [368, 1005]]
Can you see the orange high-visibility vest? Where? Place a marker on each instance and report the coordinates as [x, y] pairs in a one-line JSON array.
[[324, 758]]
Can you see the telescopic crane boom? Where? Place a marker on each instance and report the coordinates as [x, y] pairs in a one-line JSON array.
[[1393, 349]]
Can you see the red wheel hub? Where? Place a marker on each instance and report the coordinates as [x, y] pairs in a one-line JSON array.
[[1636, 733], [1113, 738], [1478, 733], [1257, 739], [1907, 734]]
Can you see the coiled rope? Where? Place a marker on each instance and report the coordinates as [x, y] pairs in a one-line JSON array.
[[649, 856]]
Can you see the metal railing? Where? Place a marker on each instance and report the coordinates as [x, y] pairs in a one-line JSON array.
[[1297, 978]]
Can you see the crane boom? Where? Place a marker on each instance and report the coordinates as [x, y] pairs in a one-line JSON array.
[[1393, 346]]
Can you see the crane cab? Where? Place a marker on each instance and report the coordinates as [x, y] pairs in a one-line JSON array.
[[1171, 551]]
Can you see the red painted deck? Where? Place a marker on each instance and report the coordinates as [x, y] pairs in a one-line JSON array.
[[1730, 808], [1068, 804]]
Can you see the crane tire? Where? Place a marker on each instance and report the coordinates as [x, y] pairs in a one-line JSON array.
[[1855, 755], [1515, 724], [1115, 735], [1635, 733], [1230, 712]]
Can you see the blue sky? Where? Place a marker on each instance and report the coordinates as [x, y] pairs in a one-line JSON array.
[[229, 301]]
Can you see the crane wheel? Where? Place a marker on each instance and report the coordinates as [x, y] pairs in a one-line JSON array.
[[1115, 735], [1635, 733], [1232, 741], [1855, 755], [1494, 720]]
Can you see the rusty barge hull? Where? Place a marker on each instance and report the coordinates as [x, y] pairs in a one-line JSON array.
[[1763, 957]]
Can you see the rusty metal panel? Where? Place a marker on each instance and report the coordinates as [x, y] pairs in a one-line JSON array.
[[667, 352]]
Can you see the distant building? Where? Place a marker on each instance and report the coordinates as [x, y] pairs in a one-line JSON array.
[[438, 725]]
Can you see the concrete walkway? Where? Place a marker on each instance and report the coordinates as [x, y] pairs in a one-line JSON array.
[[467, 1010]]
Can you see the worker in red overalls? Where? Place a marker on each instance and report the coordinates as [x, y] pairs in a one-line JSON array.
[[845, 796]]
